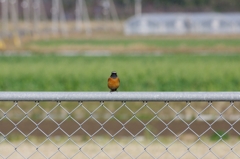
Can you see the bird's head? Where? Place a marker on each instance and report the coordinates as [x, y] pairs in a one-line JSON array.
[[114, 74]]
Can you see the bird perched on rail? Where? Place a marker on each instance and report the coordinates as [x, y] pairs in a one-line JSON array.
[[113, 82]]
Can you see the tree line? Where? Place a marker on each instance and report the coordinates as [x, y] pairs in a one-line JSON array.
[[126, 7]]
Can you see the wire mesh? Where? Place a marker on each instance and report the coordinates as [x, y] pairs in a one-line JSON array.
[[119, 129]]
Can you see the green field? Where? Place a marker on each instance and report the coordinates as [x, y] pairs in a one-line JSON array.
[[167, 72], [121, 44], [157, 42]]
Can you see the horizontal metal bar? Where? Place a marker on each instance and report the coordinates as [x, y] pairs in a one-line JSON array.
[[119, 96]]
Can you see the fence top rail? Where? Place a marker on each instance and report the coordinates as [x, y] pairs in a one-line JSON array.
[[120, 96]]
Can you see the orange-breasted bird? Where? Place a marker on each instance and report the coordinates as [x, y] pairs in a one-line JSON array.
[[113, 82]]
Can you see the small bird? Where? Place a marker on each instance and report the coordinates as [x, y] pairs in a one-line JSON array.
[[113, 82]]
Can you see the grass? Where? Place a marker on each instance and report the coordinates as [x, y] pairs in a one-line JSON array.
[[150, 42], [137, 73], [219, 135], [122, 44]]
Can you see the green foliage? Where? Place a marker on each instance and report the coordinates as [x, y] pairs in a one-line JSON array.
[[149, 41], [147, 134], [219, 135], [15, 137], [137, 73]]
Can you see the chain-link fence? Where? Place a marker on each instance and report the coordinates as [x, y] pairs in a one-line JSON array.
[[119, 125]]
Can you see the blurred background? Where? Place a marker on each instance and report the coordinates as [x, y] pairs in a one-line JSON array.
[[154, 45]]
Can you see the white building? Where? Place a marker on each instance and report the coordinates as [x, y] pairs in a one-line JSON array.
[[183, 23]]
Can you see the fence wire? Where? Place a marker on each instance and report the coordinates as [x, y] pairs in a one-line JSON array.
[[121, 125]]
